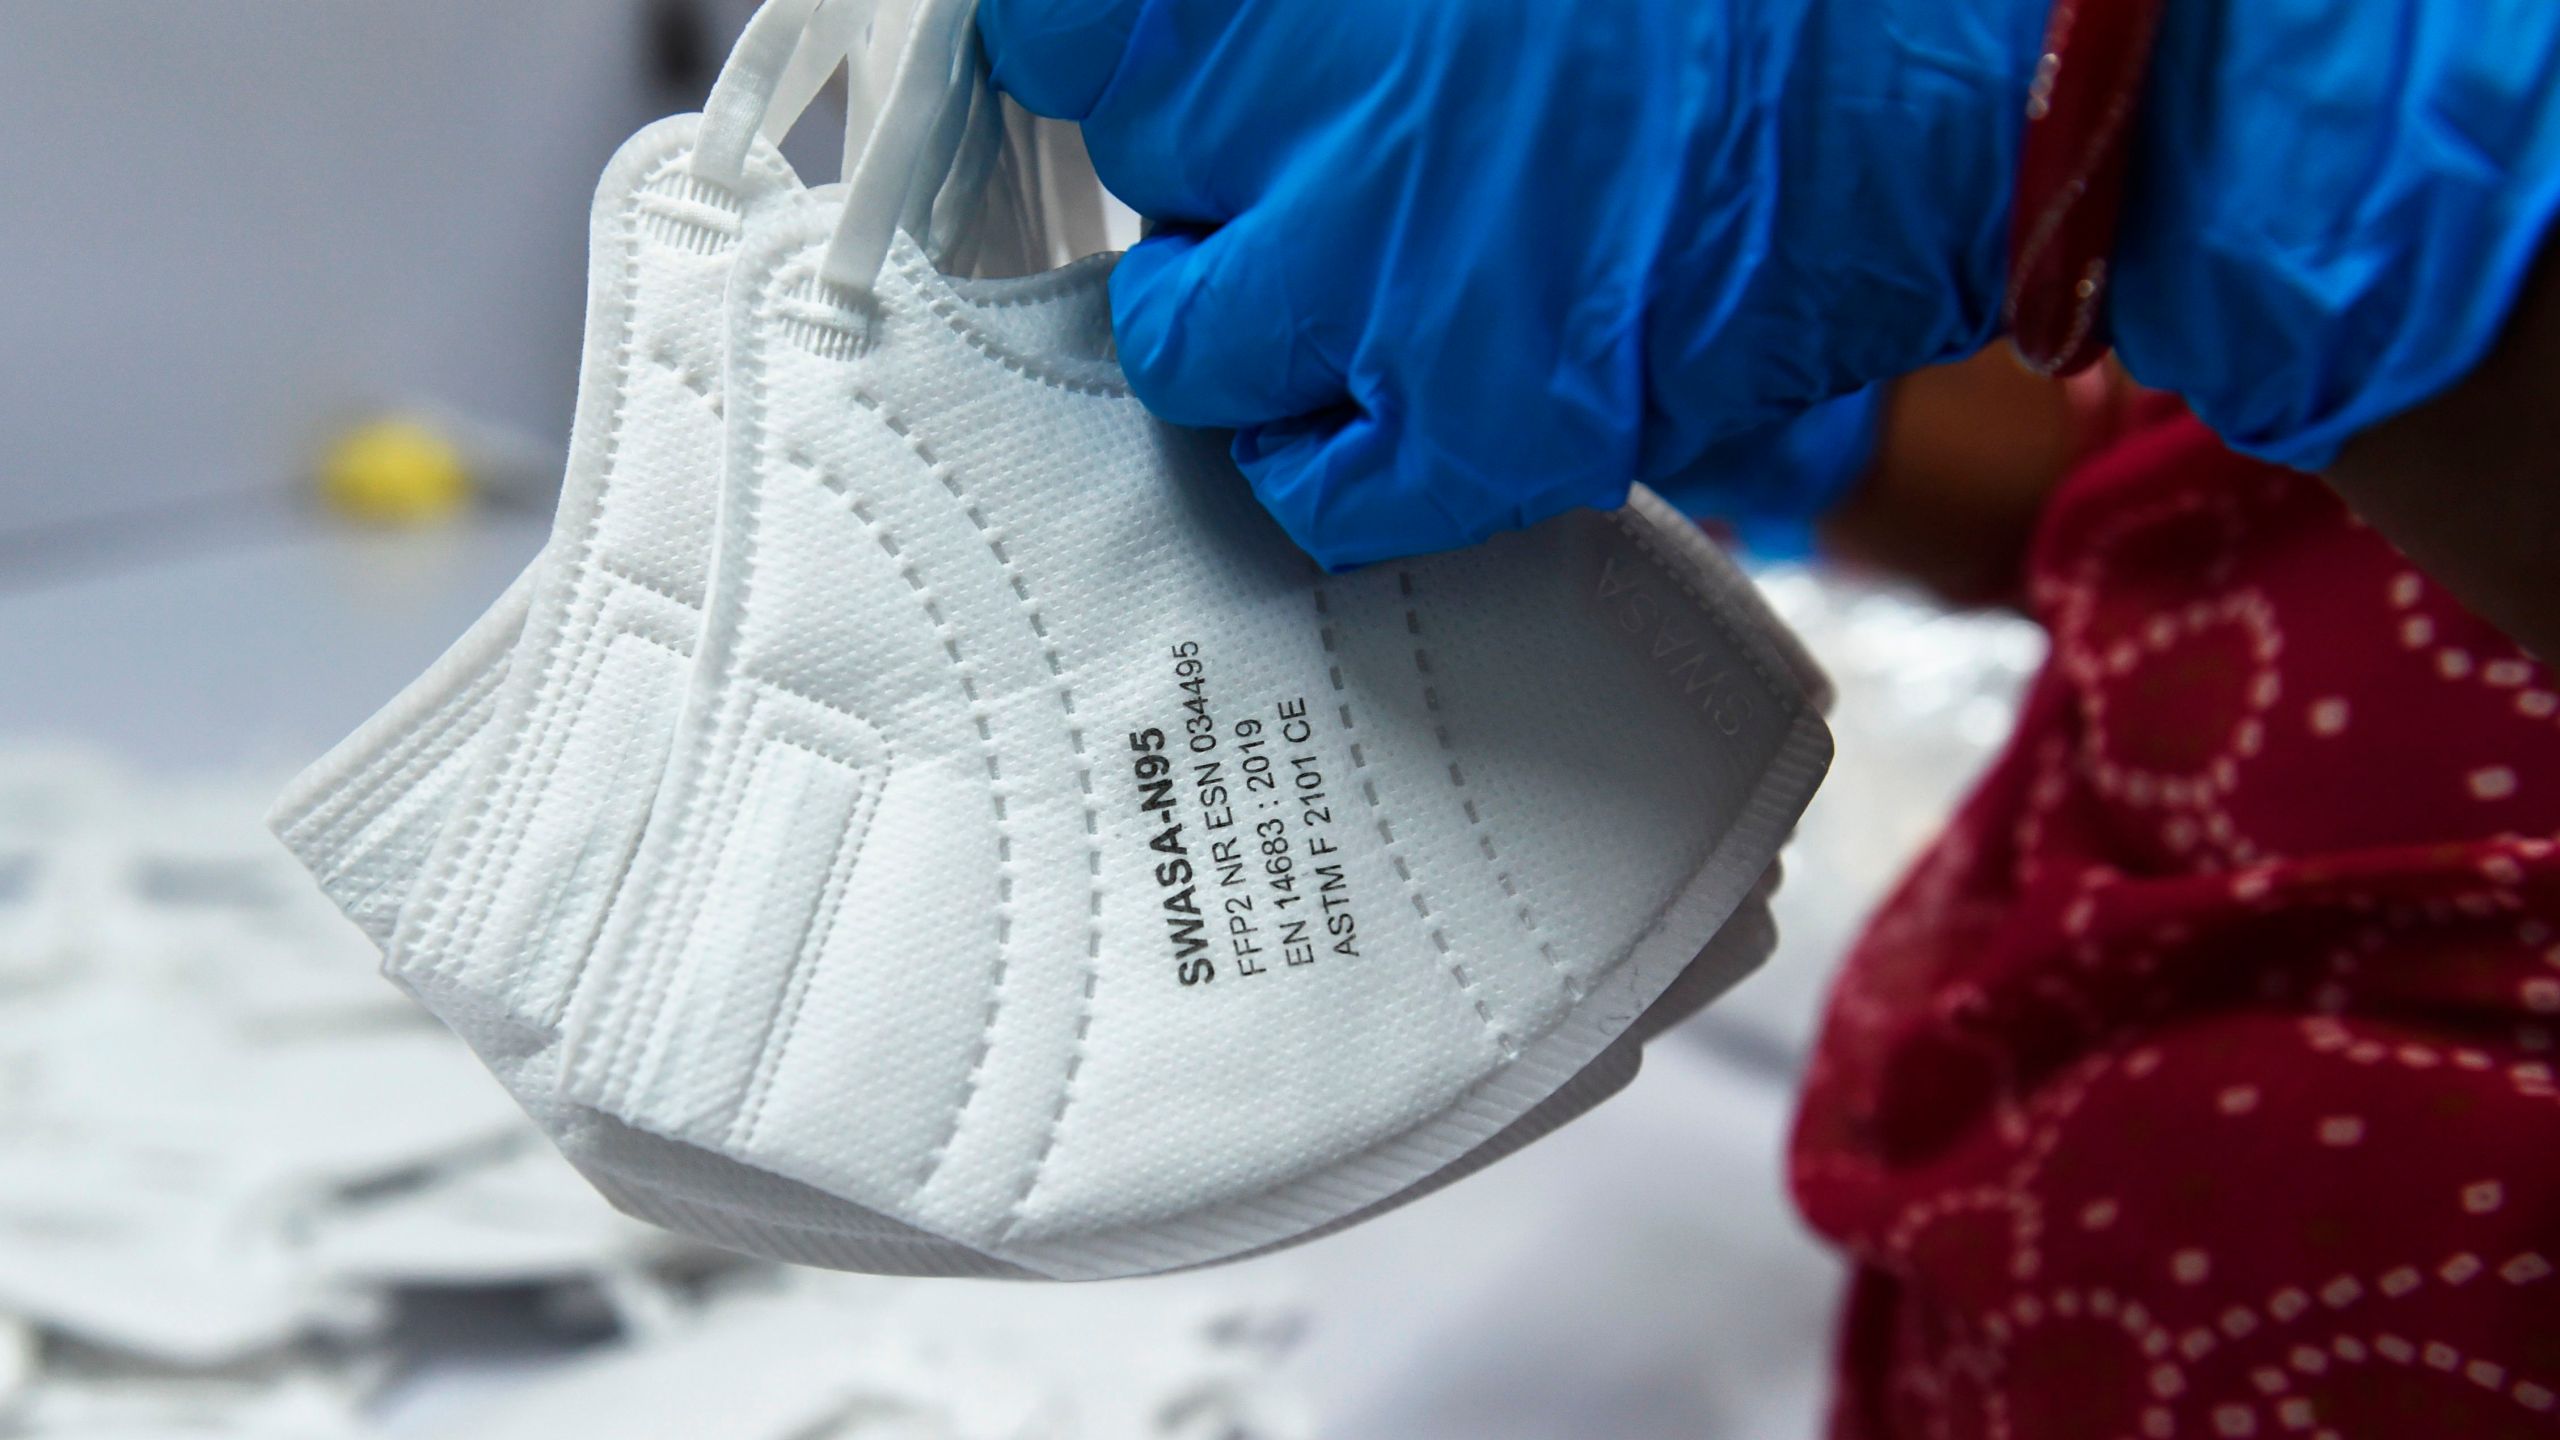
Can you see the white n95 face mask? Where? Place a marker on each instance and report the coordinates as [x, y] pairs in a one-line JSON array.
[[992, 848], [367, 819]]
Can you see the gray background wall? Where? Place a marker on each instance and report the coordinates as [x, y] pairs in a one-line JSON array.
[[225, 222]]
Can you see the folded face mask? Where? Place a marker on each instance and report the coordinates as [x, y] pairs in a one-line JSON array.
[[991, 848], [446, 764]]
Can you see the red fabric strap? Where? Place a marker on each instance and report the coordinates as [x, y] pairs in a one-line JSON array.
[[2071, 172]]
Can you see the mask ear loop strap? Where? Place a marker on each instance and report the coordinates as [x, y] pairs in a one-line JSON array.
[[937, 61], [874, 70], [951, 174], [963, 146], [952, 225], [966, 139], [781, 60], [836, 39]]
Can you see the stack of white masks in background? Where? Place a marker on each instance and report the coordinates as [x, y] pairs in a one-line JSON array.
[[220, 1162], [919, 815]]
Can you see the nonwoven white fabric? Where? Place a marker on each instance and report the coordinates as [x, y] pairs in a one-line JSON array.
[[613, 609], [920, 916], [361, 821], [808, 782], [366, 819]]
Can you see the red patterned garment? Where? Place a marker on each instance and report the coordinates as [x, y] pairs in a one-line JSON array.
[[2199, 1080]]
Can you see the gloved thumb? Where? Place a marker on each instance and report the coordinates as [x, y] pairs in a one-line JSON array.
[[1354, 485], [1207, 333], [1056, 56]]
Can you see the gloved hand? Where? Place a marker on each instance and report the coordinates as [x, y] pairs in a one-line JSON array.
[[1768, 486], [1453, 266], [2333, 206]]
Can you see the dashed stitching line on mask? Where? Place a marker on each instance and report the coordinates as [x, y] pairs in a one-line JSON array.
[[690, 379], [1502, 1038], [1573, 986], [946, 307], [637, 581], [949, 478]]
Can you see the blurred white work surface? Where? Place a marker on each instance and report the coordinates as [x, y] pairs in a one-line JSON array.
[[254, 638]]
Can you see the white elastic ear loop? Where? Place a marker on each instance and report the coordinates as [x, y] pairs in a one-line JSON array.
[[834, 40], [874, 70], [945, 166], [739, 98], [876, 190], [953, 222], [781, 60]]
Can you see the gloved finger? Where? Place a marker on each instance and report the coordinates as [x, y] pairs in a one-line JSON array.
[[1212, 334], [1344, 486], [1056, 56], [1145, 87], [1296, 468], [1786, 471], [1364, 481]]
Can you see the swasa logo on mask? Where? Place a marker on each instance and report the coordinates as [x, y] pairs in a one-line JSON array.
[[1175, 875], [1672, 642]]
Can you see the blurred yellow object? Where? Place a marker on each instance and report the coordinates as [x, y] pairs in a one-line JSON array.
[[395, 472]]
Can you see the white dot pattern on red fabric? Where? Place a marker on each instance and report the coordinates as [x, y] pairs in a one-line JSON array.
[[2221, 1016]]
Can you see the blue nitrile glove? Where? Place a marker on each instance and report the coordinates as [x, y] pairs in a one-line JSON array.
[[2333, 206], [1770, 485], [1452, 266]]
